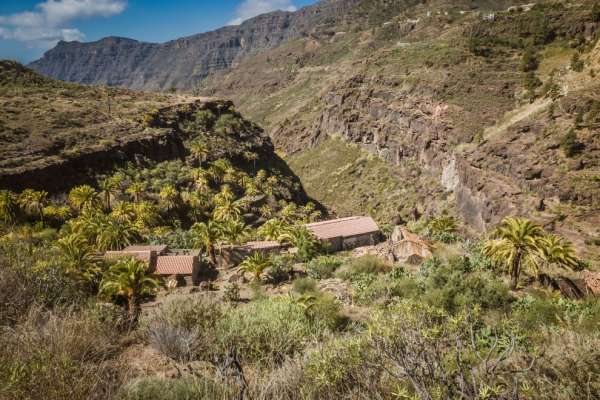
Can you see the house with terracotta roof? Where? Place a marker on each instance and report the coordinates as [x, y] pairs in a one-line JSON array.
[[161, 261], [347, 233]]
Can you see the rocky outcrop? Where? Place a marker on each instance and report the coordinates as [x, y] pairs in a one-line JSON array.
[[162, 138], [159, 145], [183, 62]]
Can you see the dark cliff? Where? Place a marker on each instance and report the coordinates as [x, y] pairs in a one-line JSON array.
[[183, 62]]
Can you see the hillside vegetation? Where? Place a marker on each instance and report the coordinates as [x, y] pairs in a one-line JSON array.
[[469, 130], [494, 105]]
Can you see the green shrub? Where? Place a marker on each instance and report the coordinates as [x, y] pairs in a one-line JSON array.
[[326, 310], [366, 288], [267, 331], [184, 328], [188, 388], [323, 267], [281, 271], [62, 354], [453, 289], [228, 124], [538, 310], [577, 64], [570, 144], [231, 292], [305, 285], [367, 264], [31, 274], [529, 62], [338, 369]]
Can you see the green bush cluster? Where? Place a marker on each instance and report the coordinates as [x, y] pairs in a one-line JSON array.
[[323, 267], [365, 265]]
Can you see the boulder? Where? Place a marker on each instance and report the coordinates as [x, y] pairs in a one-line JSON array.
[[411, 251], [592, 282]]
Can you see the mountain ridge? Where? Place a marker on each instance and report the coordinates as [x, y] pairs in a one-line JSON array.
[[127, 62]]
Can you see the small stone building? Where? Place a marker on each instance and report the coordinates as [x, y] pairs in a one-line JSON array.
[[347, 233]]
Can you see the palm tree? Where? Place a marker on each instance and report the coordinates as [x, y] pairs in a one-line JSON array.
[[234, 231], [199, 150], [251, 156], [558, 251], [127, 278], [112, 234], [516, 245], [271, 185], [218, 169], [33, 201], [59, 214], [8, 207], [83, 196], [169, 197], [289, 212], [305, 241], [198, 203], [136, 190], [110, 187], [256, 265], [146, 214], [227, 210], [123, 212], [207, 236], [78, 257], [273, 229]]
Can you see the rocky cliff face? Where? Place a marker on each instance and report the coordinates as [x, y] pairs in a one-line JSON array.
[[441, 96], [55, 135], [184, 62]]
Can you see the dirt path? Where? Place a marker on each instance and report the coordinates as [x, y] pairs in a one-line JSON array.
[[515, 116]]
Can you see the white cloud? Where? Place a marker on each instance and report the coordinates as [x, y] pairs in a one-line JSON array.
[[46, 25], [252, 8]]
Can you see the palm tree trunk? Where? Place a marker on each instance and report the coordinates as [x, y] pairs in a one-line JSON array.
[[515, 272], [133, 311], [213, 256]]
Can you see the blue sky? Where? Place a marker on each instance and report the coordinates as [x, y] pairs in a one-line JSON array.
[[30, 27]]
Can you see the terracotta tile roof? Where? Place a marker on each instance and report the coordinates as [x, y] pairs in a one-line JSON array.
[[159, 249], [145, 256], [175, 265], [344, 227], [266, 245]]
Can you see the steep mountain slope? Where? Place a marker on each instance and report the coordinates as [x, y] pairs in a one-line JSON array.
[[56, 135], [439, 92], [181, 63], [442, 93]]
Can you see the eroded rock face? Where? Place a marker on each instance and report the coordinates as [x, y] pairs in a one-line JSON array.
[[398, 126], [183, 62], [161, 140]]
